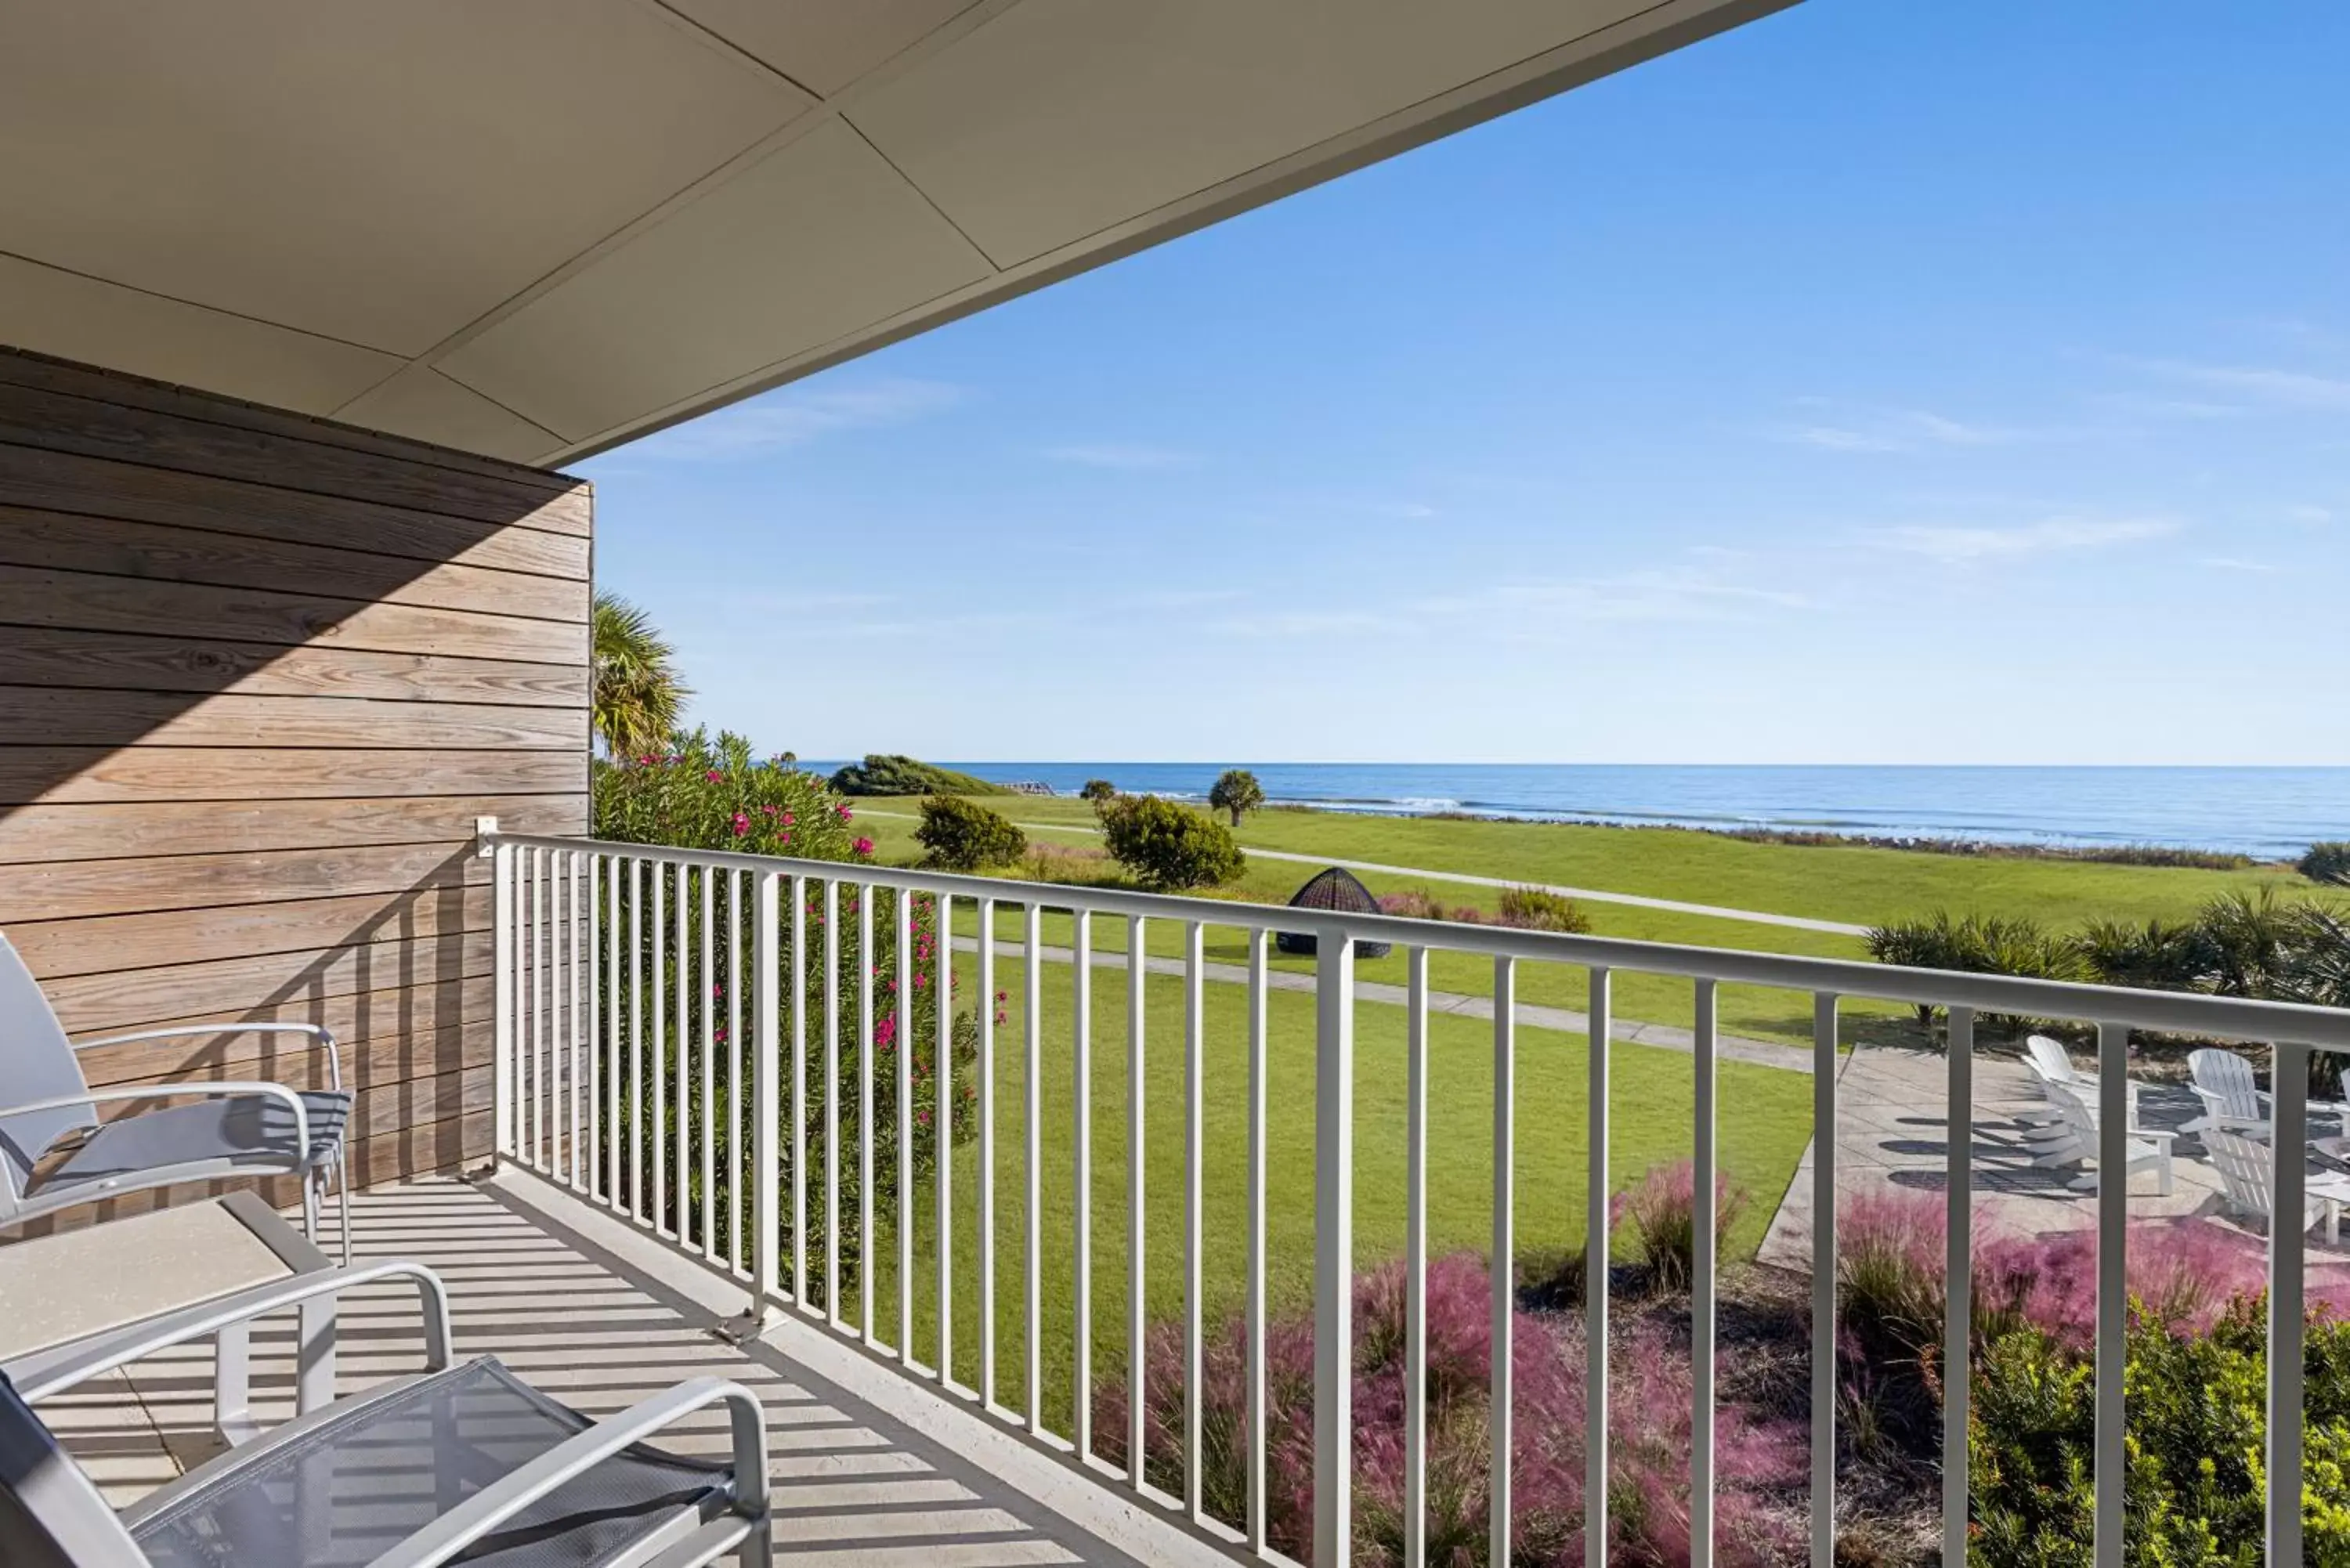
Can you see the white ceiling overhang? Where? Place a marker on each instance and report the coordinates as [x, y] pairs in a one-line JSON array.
[[533, 229]]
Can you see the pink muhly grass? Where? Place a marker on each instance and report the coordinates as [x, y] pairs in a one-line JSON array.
[[1892, 1258], [1649, 1433], [1658, 1212]]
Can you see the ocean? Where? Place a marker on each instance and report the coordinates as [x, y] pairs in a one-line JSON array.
[[2267, 813]]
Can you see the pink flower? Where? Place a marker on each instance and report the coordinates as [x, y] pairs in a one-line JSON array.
[[647, 762], [713, 775], [864, 847], [845, 813], [787, 819], [741, 824], [1003, 996]]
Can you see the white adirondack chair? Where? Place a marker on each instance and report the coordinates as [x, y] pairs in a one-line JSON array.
[[2051, 1063], [2232, 1101], [2243, 1167], [2148, 1148], [2052, 1067]]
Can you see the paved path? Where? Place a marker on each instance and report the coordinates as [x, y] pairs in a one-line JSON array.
[[1663, 1036], [1593, 895]]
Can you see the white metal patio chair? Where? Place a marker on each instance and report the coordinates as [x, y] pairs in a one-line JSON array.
[[2148, 1148], [459, 1463], [56, 1152], [2233, 1099], [2243, 1168]]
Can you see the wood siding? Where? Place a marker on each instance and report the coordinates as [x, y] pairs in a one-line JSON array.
[[259, 674]]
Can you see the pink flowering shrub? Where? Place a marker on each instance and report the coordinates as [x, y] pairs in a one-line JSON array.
[[1648, 1433], [708, 793]]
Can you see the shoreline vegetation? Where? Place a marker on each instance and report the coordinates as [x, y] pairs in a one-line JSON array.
[[1819, 838]]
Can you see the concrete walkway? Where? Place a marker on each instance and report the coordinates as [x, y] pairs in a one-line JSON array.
[[1593, 895], [1663, 1036]]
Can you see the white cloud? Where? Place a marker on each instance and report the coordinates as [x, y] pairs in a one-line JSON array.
[[1898, 430], [796, 416], [2310, 514], [1121, 456], [1303, 623], [2054, 536], [1531, 609], [1190, 598], [1630, 597], [1836, 438], [2268, 384]]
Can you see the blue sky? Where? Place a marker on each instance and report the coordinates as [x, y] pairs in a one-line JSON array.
[[1955, 380]]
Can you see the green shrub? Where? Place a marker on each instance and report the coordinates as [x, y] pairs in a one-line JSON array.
[[2194, 1491], [890, 774], [964, 836], [1979, 944], [2160, 955], [1168, 845], [2328, 863], [1236, 792], [1098, 791], [1539, 909]]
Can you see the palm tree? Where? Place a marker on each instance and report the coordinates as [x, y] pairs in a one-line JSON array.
[[637, 694]]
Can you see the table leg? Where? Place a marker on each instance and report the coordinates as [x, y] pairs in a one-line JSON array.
[[232, 1383], [314, 1378]]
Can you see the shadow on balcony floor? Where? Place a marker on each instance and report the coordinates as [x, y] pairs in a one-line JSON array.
[[852, 1486]]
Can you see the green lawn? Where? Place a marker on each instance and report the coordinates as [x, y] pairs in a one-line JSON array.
[[1763, 1128], [1857, 886]]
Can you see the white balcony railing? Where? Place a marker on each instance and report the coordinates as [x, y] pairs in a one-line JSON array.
[[616, 959]]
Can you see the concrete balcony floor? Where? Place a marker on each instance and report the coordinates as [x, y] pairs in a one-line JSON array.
[[599, 1315]]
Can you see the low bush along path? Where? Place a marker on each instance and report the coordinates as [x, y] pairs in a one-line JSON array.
[[1589, 895]]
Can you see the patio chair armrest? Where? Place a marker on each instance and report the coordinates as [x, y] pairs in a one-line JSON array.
[[49, 1371], [321, 1037], [290, 1098], [2155, 1135], [465, 1524]]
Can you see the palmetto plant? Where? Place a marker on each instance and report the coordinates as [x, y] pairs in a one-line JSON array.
[[637, 695]]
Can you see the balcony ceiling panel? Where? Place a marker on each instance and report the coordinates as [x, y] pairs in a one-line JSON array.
[[804, 247], [379, 174], [536, 228], [1061, 118], [78, 317], [823, 45], [422, 403]]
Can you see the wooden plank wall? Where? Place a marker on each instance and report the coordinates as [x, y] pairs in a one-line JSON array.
[[258, 675]]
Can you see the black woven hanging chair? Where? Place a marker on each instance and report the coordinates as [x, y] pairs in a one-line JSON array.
[[1334, 889]]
